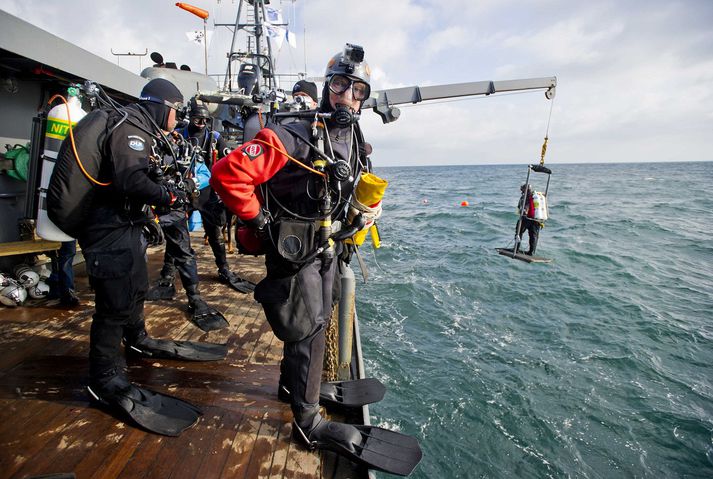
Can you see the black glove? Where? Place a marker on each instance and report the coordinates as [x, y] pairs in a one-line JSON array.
[[179, 198], [260, 225], [153, 232]]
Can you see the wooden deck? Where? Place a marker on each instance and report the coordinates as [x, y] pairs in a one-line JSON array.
[[47, 425]]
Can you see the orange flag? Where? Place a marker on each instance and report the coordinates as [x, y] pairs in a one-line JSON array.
[[199, 12]]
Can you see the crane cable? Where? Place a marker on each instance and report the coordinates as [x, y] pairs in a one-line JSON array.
[[547, 134]]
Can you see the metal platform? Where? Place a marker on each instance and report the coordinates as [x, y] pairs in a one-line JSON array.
[[522, 256]]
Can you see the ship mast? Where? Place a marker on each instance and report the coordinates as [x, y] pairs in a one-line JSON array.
[[256, 31]]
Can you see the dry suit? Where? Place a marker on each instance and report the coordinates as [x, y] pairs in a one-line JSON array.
[[258, 180], [112, 241]]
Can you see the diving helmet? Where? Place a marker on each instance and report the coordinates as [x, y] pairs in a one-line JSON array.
[[39, 291], [350, 63], [13, 294], [26, 276], [345, 70]]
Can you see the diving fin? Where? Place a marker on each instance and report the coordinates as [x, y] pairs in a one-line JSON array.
[[374, 447], [236, 282], [205, 317], [164, 289], [356, 393], [155, 412], [345, 394], [185, 350]]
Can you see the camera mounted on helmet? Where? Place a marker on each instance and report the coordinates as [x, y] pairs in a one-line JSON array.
[[349, 63], [353, 54]]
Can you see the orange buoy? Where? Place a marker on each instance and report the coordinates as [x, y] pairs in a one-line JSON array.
[[199, 12], [464, 203]]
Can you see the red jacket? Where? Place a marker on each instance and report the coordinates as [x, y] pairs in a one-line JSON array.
[[236, 176]]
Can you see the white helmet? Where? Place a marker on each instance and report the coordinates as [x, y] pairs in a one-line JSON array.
[[38, 291], [13, 295], [25, 276]]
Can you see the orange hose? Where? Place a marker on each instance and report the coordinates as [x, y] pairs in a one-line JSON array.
[[293, 159], [74, 146]]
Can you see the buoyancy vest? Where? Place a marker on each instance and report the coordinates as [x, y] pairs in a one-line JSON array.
[[295, 191], [70, 192]]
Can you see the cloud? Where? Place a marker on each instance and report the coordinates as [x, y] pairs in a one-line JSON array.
[[635, 78]]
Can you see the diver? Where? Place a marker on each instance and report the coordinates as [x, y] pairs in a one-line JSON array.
[[305, 93], [269, 185], [211, 147], [113, 239], [527, 221]]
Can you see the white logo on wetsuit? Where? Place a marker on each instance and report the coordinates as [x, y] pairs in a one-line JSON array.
[[136, 143]]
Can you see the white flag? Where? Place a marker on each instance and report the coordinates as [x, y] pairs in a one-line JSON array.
[[273, 15], [196, 36], [277, 34], [292, 39]]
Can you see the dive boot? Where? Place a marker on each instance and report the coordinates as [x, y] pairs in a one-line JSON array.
[[240, 285], [155, 412], [146, 346], [373, 447], [343, 394], [205, 317], [165, 289]]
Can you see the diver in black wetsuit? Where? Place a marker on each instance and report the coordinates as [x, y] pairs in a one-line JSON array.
[[179, 254], [286, 205], [113, 240]]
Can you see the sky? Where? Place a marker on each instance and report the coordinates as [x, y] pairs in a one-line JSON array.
[[635, 78]]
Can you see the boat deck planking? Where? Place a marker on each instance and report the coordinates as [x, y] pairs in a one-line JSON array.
[[47, 424]]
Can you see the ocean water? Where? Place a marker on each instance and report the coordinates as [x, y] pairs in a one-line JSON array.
[[598, 365]]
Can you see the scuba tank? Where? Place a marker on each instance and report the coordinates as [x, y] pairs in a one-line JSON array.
[[539, 203], [57, 130]]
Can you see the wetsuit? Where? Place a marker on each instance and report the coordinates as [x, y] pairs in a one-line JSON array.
[[296, 295], [112, 241]]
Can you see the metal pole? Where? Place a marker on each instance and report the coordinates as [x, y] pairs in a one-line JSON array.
[[205, 45], [523, 196], [228, 83]]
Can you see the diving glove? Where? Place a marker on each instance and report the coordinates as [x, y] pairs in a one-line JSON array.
[[153, 232]]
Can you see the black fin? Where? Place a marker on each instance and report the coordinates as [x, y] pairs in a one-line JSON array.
[[206, 317], [355, 393], [155, 412], [236, 282], [163, 290], [374, 447], [185, 350], [344, 394]]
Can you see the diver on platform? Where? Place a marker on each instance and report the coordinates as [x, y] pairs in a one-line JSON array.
[[292, 184], [527, 221], [113, 240], [211, 147]]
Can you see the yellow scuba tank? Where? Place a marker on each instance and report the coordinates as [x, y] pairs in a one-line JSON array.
[[58, 125], [367, 201]]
